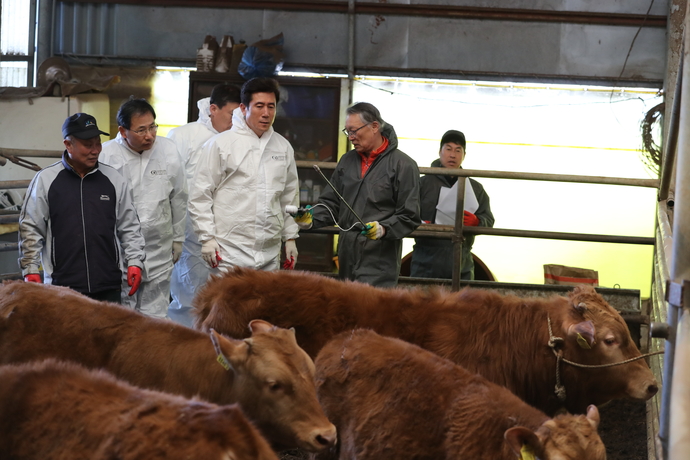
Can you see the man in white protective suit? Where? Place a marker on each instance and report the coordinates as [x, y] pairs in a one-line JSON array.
[[156, 175], [191, 271], [243, 180]]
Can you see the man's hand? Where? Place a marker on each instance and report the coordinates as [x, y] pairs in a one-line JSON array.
[[304, 219], [210, 251], [133, 278], [33, 278], [290, 254], [176, 251], [469, 219], [374, 231]]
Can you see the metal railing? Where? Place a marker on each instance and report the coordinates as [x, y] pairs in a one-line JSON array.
[[456, 232]]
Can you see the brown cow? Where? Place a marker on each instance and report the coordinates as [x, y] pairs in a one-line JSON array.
[[61, 410], [391, 399], [504, 338], [268, 374]]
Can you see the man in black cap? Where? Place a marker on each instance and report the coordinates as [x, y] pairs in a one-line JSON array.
[[76, 216], [433, 258]]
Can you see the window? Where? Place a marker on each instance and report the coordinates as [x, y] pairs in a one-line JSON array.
[[17, 21]]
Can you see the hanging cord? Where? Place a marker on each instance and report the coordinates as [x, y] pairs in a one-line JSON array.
[[555, 341], [333, 217]]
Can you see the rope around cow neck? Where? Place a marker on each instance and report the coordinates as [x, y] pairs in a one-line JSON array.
[[553, 343]]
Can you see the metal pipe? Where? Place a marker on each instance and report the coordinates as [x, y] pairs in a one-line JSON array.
[[457, 237], [671, 143], [31, 153], [425, 10], [350, 51], [673, 436], [651, 183], [446, 232], [14, 184], [7, 247]]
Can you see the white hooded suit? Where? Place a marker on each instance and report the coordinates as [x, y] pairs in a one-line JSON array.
[[241, 186], [191, 271], [158, 183]]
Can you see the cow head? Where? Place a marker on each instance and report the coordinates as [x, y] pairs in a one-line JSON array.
[[274, 382], [596, 334], [565, 437]]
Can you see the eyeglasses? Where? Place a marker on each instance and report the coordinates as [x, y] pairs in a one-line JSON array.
[[142, 131], [354, 131]]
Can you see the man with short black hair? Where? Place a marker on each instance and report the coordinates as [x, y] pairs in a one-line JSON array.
[[381, 184], [157, 177], [191, 272], [244, 179], [75, 215], [433, 258]]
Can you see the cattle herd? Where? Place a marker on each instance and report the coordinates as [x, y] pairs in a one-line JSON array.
[[338, 369]]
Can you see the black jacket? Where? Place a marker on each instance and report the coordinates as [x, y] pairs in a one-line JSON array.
[[76, 226], [388, 193], [433, 258]]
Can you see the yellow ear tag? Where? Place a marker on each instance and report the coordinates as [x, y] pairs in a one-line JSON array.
[[223, 362], [583, 342], [526, 453]]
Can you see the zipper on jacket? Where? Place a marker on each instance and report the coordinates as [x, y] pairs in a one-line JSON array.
[[83, 227]]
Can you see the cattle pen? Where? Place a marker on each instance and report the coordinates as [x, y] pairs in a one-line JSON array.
[[633, 435], [630, 429]]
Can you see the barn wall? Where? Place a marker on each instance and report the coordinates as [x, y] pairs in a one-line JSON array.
[[536, 40]]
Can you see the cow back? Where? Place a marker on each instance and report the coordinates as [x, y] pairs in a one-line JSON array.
[[391, 399], [42, 321], [56, 409], [503, 337]]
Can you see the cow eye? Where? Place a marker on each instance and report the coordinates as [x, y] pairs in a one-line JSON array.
[[609, 341], [274, 386]]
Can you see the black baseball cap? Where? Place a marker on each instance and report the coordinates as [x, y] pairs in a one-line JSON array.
[[82, 126], [456, 137]]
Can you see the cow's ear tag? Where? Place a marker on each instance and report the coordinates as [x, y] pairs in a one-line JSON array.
[[220, 357], [583, 342], [526, 453], [223, 362]]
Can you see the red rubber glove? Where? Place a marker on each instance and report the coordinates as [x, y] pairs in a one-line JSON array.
[[133, 278], [469, 219], [33, 278]]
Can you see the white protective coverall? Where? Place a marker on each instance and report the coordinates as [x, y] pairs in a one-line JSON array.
[[242, 184], [191, 271], [159, 186]]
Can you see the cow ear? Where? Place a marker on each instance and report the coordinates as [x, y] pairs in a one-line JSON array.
[[584, 333], [524, 443], [593, 416], [581, 308], [259, 325], [229, 353]]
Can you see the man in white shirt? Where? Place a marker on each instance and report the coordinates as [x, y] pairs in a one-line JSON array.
[[156, 175]]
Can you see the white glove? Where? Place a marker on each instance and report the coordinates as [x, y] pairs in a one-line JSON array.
[[210, 251], [177, 251], [374, 231], [291, 252]]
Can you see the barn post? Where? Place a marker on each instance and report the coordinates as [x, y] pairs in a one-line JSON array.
[[675, 419], [457, 237]]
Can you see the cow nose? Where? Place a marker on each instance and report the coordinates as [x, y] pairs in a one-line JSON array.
[[652, 389], [326, 437]]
